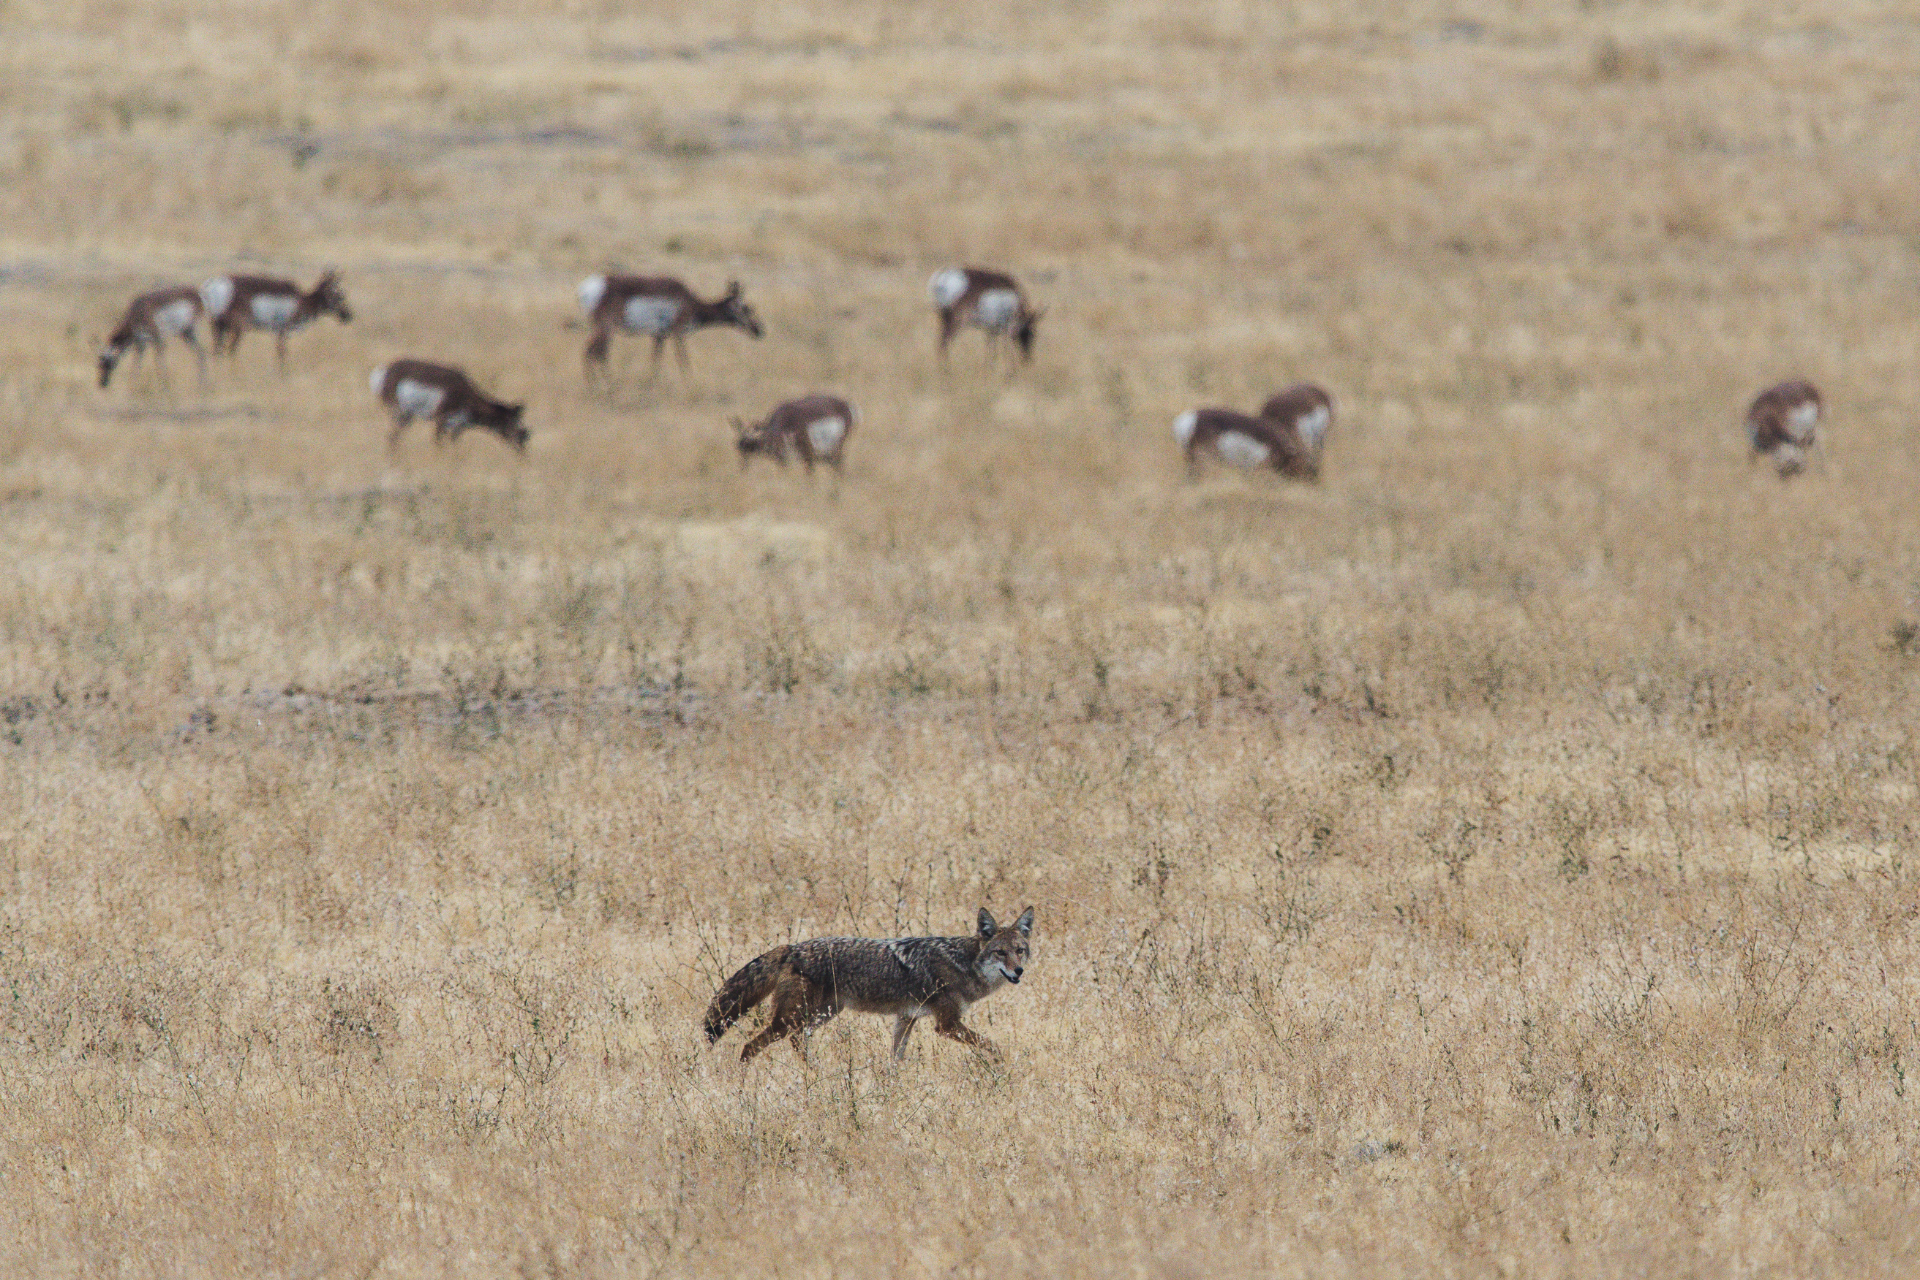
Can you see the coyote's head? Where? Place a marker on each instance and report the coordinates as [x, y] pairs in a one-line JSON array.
[[1003, 952]]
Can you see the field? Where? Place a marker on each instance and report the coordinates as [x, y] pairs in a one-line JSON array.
[[1498, 858]]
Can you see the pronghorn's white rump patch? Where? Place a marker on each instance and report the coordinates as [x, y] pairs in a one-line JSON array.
[[274, 310], [216, 295], [997, 307], [947, 285], [825, 434], [1801, 420], [417, 397], [1312, 425], [592, 289], [650, 315], [1183, 427], [378, 379], [176, 317], [1242, 450]]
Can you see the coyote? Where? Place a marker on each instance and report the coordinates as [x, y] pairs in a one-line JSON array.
[[910, 978]]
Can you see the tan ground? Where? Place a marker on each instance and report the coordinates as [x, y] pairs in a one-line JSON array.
[[1498, 859]]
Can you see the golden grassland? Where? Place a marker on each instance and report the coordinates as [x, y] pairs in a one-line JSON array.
[[1495, 859]]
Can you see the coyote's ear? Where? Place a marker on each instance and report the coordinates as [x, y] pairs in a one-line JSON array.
[[987, 926], [1025, 923]]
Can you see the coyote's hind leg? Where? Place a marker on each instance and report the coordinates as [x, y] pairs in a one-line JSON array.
[[902, 1028]]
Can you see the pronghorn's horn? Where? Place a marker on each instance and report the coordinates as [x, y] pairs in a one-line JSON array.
[[733, 288], [739, 428]]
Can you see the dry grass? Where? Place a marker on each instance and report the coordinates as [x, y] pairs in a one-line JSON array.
[[1496, 859]]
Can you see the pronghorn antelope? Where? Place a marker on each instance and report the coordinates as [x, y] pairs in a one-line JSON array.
[[657, 305], [149, 317], [1781, 422], [1287, 436], [239, 303], [987, 300], [446, 396], [814, 427]]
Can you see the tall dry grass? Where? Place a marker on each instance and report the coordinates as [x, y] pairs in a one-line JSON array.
[[1495, 859]]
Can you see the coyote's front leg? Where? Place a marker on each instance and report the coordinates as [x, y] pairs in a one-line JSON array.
[[947, 1022]]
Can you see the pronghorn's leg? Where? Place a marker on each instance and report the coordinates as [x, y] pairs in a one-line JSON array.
[[596, 353], [401, 421], [280, 350], [659, 345], [680, 349], [902, 1028], [199, 354], [946, 333]]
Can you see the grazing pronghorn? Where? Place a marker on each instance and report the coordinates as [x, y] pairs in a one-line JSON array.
[[658, 305], [446, 396], [814, 427], [1781, 422], [1287, 436], [239, 303], [149, 317], [987, 300]]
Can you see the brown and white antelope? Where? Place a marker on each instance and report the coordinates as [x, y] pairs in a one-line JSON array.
[[815, 428], [239, 303], [148, 319], [447, 397], [1781, 423], [1288, 436], [986, 300], [660, 306]]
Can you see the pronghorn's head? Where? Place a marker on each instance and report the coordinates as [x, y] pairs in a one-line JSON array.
[[117, 343], [736, 311], [327, 299], [1003, 951], [758, 438], [509, 427], [110, 356], [1023, 326]]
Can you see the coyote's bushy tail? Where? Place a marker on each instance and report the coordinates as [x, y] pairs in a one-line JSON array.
[[742, 991]]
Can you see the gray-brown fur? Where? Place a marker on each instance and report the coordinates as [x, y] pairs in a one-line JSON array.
[[239, 303], [809, 982], [813, 428], [447, 397], [1782, 423], [666, 309], [149, 317]]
